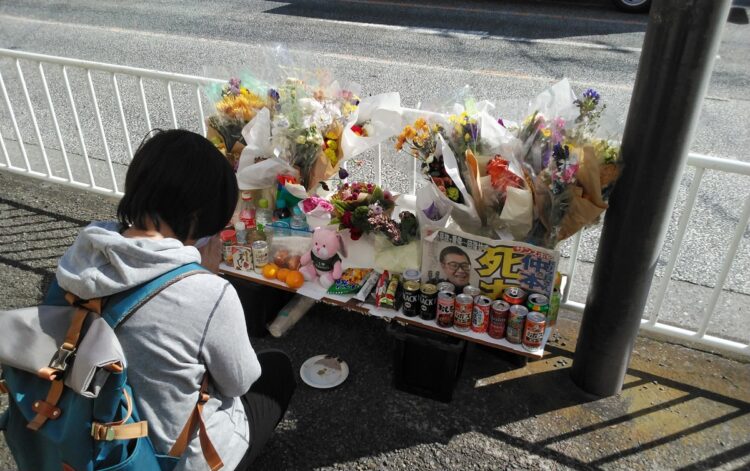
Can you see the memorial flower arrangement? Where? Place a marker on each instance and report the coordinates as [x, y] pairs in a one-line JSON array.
[[364, 208]]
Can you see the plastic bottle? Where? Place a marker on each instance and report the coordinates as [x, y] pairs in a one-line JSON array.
[[247, 210], [290, 314], [298, 221], [263, 215], [281, 213], [240, 232]]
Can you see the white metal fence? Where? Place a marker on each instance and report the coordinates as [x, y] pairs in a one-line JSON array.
[[91, 152]]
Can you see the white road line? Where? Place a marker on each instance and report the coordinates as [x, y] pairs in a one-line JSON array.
[[333, 55], [469, 34]]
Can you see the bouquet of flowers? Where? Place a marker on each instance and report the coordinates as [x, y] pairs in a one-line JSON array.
[[573, 167], [235, 105], [365, 208], [301, 130]]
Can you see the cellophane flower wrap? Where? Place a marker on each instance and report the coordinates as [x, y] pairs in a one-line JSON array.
[[573, 164], [236, 103]]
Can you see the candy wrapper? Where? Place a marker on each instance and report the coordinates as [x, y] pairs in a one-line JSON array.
[[351, 281]]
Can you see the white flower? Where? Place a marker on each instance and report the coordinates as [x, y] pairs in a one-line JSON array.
[[301, 139], [369, 129]]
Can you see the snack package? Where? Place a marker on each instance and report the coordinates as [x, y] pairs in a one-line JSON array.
[[390, 297], [381, 287], [368, 286], [351, 281], [242, 259]]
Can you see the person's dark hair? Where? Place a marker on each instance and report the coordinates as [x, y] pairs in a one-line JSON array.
[[180, 178], [452, 250]]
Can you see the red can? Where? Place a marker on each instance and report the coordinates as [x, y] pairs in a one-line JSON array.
[[533, 333], [462, 312], [445, 308], [480, 315], [514, 295], [498, 319]]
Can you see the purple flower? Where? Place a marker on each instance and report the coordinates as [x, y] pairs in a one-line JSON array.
[[500, 122], [592, 95], [273, 94], [343, 174]]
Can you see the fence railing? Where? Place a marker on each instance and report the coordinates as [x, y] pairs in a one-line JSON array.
[[153, 100]]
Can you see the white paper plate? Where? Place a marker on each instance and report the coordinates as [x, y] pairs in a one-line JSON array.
[[324, 371]]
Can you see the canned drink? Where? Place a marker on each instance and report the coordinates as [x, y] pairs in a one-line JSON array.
[[480, 315], [538, 302], [472, 291], [427, 301], [411, 274], [446, 306], [498, 319], [533, 333], [554, 307], [410, 296], [260, 255], [516, 322], [514, 295], [462, 312], [446, 286]]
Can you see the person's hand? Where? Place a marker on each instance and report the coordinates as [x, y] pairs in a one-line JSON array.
[[211, 254]]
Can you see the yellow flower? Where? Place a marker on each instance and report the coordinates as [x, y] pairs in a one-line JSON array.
[[331, 154], [332, 144], [457, 128], [467, 137], [420, 123], [546, 132], [409, 132]]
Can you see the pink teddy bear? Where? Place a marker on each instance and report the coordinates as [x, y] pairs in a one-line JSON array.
[[323, 262]]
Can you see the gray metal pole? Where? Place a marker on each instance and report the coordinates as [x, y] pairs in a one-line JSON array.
[[681, 42]]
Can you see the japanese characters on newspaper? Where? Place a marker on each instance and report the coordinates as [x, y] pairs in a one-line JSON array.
[[490, 265]]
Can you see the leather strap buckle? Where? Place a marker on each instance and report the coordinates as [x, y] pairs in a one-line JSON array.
[[102, 432], [61, 359]]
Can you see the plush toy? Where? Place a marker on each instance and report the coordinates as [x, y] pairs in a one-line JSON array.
[[323, 261]]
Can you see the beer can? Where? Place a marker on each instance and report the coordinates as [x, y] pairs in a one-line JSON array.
[[427, 301], [462, 312], [445, 308], [480, 315], [554, 307], [260, 255], [498, 319], [538, 302], [472, 291], [411, 274], [533, 333], [446, 286], [516, 322], [410, 297], [514, 295]]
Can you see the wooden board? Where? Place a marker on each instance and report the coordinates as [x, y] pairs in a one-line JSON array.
[[315, 291]]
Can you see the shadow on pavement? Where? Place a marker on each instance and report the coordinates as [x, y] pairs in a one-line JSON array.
[[531, 20], [536, 409]]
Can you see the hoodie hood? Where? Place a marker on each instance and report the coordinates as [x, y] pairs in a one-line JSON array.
[[102, 262]]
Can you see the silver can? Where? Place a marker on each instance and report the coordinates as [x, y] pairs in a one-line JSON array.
[[472, 291], [260, 255], [446, 286], [516, 322]]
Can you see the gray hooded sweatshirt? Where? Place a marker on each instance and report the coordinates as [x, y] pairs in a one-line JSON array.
[[194, 325]]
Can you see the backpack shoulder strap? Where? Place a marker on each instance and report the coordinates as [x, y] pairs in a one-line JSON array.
[[122, 305]]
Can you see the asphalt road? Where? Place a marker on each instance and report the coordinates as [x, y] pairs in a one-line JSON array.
[[506, 51]]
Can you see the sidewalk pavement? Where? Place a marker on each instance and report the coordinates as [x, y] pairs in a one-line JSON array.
[[679, 409]]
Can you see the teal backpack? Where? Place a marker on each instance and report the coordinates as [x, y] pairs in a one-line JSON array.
[[51, 424]]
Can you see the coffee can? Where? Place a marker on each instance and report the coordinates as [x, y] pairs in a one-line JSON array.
[[538, 302], [472, 291], [533, 333], [514, 295], [445, 308], [427, 301], [410, 298], [516, 322], [498, 319], [480, 315], [462, 312], [446, 286]]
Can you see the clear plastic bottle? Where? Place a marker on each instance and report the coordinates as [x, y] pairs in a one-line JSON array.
[[247, 210], [263, 215], [298, 222]]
